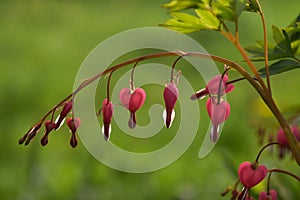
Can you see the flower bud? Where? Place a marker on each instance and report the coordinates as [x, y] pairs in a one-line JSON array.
[[170, 97], [73, 124], [49, 126], [66, 109], [107, 113]]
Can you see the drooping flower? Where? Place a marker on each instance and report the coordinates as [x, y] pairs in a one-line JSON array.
[[271, 195], [251, 174], [216, 86], [73, 124], [66, 109], [49, 126], [281, 138], [218, 113], [170, 97], [107, 113], [132, 100]]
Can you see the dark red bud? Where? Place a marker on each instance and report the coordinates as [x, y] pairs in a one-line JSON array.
[[107, 113], [49, 126], [66, 109], [73, 124], [30, 134], [170, 97]]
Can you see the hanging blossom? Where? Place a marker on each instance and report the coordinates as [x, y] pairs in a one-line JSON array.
[[107, 113], [281, 138], [271, 195], [216, 86], [250, 174], [218, 109], [132, 100], [218, 113], [50, 125], [170, 97]]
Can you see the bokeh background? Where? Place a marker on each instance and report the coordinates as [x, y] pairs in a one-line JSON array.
[[42, 45]]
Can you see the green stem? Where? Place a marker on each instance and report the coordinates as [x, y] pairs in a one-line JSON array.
[[285, 172], [265, 46]]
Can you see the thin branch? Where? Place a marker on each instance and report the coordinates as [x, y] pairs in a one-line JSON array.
[[265, 47]]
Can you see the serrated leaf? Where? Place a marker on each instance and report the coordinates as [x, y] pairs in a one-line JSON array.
[[184, 23], [208, 20], [224, 9], [280, 66], [179, 5], [280, 49]]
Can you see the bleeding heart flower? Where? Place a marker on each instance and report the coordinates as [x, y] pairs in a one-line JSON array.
[[218, 113], [132, 100], [272, 195], [107, 113], [61, 117], [170, 97], [250, 174], [215, 86], [124, 96], [281, 138], [73, 124], [49, 126]]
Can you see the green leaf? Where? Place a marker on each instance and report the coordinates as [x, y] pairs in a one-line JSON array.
[[280, 66], [208, 20], [280, 49], [184, 23], [228, 10], [179, 5]]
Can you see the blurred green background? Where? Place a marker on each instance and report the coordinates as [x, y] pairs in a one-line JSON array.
[[43, 43]]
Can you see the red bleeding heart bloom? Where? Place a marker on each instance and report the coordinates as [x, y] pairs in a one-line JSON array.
[[73, 124], [49, 126], [281, 138], [132, 100], [271, 195], [251, 174], [218, 113], [107, 113], [216, 86], [170, 97], [66, 109]]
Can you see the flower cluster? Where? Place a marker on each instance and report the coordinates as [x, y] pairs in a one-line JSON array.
[[217, 107], [279, 137], [251, 173], [50, 125]]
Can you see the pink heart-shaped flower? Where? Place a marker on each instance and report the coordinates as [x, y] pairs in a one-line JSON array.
[[272, 195], [250, 174], [124, 96], [136, 100], [218, 113]]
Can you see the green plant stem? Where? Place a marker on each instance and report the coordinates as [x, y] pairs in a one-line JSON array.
[[284, 172], [265, 47]]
